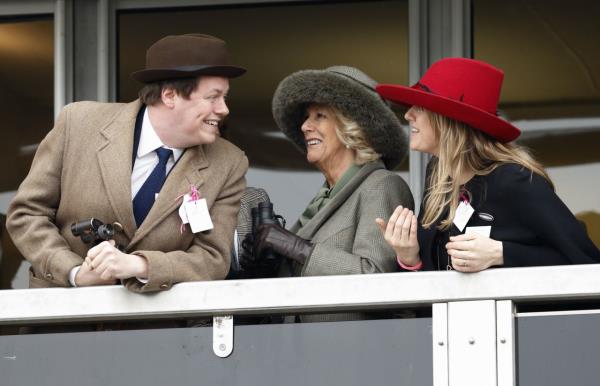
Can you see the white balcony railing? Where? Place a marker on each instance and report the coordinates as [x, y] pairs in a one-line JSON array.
[[294, 295], [472, 314]]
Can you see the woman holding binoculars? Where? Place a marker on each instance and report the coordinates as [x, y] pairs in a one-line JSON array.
[[347, 131]]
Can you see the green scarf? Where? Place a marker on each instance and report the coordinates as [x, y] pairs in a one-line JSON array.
[[326, 193]]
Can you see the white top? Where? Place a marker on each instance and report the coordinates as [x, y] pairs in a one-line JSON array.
[[146, 158]]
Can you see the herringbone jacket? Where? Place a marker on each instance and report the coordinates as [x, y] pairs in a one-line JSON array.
[[347, 240]]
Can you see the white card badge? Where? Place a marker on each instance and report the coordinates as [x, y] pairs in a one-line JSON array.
[[462, 215], [198, 215], [182, 213], [485, 230]]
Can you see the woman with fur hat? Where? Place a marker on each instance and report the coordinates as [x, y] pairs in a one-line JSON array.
[[487, 202], [348, 132]]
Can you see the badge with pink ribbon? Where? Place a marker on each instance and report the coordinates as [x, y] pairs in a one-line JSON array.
[[194, 211]]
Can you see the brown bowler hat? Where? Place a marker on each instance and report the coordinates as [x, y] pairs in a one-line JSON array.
[[186, 56]]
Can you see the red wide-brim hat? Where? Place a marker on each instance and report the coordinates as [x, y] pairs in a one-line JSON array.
[[466, 90]]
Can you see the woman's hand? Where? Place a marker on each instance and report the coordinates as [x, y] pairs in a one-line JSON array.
[[474, 252], [272, 237], [400, 232]]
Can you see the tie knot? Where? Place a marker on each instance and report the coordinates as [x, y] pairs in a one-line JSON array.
[[163, 154]]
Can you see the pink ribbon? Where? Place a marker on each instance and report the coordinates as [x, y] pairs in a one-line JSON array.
[[194, 196]]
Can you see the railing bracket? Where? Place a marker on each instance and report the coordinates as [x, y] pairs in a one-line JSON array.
[[223, 335]]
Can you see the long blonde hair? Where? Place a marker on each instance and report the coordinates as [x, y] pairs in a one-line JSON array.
[[462, 148]]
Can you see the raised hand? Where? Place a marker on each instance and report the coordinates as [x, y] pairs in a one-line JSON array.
[[400, 232]]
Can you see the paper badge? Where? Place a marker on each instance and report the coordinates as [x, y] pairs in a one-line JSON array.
[[485, 230], [462, 215], [195, 213]]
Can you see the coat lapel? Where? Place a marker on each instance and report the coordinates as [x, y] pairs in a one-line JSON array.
[[114, 158], [191, 169], [312, 226]]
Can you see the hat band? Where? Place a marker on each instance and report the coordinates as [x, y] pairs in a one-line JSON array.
[[423, 87]]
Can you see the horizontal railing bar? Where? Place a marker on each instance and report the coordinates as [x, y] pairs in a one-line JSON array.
[[299, 295], [531, 314]]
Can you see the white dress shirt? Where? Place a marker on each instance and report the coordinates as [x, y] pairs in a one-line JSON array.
[[146, 158]]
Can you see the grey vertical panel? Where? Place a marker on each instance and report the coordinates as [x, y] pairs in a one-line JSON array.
[[85, 44], [103, 48], [558, 350], [382, 352], [462, 29], [449, 29], [60, 55]]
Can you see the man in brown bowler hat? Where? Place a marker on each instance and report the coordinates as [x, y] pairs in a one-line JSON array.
[[133, 164]]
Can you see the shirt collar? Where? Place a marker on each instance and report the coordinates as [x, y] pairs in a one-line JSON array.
[[150, 141]]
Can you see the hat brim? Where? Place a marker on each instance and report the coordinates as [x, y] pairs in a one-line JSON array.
[[355, 101], [156, 74], [479, 119]]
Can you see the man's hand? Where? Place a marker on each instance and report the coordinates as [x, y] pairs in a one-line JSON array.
[[86, 276], [111, 264]]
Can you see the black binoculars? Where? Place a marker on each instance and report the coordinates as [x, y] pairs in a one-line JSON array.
[[264, 214], [95, 231], [268, 263]]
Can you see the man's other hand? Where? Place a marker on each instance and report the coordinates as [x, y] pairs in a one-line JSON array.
[[111, 264], [86, 276]]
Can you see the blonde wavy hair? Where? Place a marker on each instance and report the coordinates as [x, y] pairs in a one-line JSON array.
[[352, 135], [462, 148]]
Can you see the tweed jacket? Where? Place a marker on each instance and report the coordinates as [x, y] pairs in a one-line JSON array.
[[82, 169], [250, 199], [346, 239]]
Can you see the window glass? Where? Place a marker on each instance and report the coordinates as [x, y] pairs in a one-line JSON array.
[[272, 41], [549, 52], [26, 108]]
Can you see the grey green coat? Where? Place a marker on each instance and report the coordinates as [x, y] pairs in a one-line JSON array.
[[347, 240]]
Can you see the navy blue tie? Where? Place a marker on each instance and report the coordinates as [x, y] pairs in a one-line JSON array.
[[144, 199]]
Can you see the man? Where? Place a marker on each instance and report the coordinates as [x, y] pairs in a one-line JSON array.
[[132, 164]]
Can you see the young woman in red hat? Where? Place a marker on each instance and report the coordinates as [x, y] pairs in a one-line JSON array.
[[487, 202]]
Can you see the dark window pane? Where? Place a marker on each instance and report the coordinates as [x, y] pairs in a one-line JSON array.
[[26, 108], [272, 41], [548, 50]]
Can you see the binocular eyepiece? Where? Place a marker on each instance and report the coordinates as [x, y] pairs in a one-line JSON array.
[[264, 214], [94, 231]]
